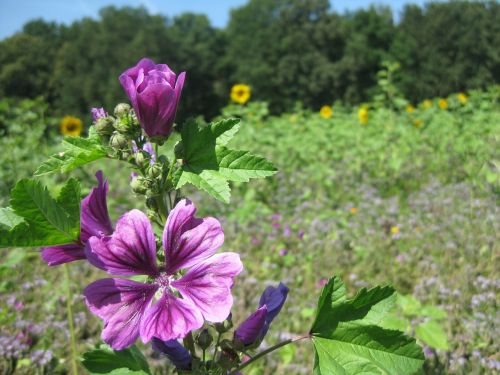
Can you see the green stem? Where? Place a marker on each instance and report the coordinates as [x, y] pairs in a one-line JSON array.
[[69, 311], [215, 348], [267, 351]]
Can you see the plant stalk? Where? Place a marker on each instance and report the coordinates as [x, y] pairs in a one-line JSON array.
[[267, 351], [69, 311]]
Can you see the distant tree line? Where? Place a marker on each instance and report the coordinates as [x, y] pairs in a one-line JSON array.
[[286, 50]]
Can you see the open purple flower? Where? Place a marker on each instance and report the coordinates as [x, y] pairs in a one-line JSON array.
[[154, 91], [94, 221], [255, 327], [170, 304], [175, 352]]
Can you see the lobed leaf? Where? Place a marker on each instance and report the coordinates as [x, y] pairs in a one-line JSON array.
[[41, 219], [348, 338], [105, 360]]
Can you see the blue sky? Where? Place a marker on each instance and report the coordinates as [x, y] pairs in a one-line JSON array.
[[14, 13]]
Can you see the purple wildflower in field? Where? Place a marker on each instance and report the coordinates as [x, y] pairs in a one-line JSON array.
[[255, 327], [183, 301], [98, 113], [94, 221], [283, 252], [154, 91], [175, 352]]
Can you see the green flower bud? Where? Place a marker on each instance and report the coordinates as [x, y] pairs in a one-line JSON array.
[[140, 159], [138, 185], [228, 358], [118, 141], [104, 126], [154, 170], [122, 109], [151, 203], [224, 326], [123, 125], [204, 339]]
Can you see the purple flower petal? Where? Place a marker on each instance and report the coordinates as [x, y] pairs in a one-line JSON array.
[[208, 284], [121, 304], [170, 318], [55, 255], [131, 250], [274, 299], [250, 330], [188, 240], [98, 113], [175, 352], [94, 217]]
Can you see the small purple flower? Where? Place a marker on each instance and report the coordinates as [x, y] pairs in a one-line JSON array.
[[154, 91], [321, 282], [94, 221], [175, 352], [98, 113], [283, 252], [255, 327], [300, 234], [182, 300]]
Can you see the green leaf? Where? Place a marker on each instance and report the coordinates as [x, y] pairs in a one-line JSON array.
[[432, 334], [209, 165], [8, 218], [77, 152], [46, 221], [105, 360], [348, 338]]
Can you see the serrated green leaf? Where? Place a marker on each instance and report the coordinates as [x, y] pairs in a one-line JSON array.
[[432, 334], [77, 152], [348, 339], [209, 165], [237, 165], [8, 218], [46, 221], [105, 360], [207, 180]]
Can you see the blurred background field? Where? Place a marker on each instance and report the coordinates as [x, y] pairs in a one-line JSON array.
[[385, 134]]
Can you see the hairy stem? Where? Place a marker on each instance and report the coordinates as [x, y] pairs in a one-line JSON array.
[[266, 352], [69, 311]]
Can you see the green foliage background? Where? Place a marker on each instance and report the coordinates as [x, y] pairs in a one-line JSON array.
[[286, 50]]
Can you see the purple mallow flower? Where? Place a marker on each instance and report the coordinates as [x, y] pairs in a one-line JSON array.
[[175, 352], [255, 327], [94, 221], [154, 91], [170, 304], [98, 113]]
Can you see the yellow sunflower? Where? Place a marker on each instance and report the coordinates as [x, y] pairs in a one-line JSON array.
[[462, 98], [240, 93], [426, 104], [326, 111], [71, 126], [410, 108], [363, 115], [443, 103]]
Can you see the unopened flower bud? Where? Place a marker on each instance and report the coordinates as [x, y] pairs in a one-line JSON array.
[[154, 170], [204, 339], [224, 326], [151, 203], [104, 126], [228, 359], [139, 158], [123, 125], [138, 185], [118, 141], [122, 110]]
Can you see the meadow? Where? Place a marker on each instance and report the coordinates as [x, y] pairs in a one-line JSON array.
[[386, 192]]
